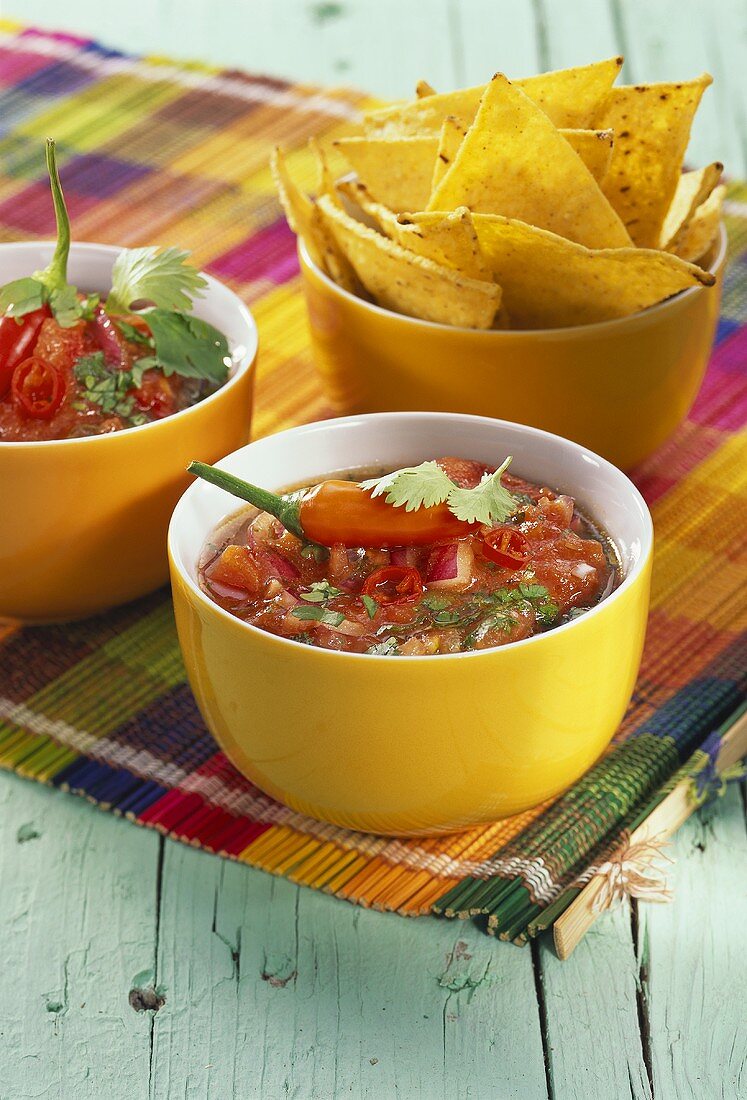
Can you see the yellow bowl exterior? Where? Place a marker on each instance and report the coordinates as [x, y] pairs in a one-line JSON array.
[[413, 746], [620, 388], [83, 522]]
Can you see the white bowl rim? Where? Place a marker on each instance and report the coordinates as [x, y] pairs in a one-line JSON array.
[[245, 364], [566, 332], [331, 654]]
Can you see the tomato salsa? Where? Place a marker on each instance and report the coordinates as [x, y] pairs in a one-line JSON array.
[[76, 363], [482, 585]]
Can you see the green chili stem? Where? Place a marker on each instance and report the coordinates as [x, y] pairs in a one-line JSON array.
[[286, 508], [55, 276]]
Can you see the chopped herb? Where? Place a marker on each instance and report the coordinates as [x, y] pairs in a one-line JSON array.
[[447, 618], [387, 648], [320, 592], [305, 638], [427, 485], [318, 614], [533, 591], [314, 551], [162, 277], [435, 603], [547, 613], [370, 605], [499, 620], [109, 389]]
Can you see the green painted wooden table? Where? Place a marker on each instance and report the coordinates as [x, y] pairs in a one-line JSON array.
[[135, 967]]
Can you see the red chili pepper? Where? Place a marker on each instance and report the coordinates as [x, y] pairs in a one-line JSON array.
[[506, 546], [393, 584], [37, 388], [18, 336]]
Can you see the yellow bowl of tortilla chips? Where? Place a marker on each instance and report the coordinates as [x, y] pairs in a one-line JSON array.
[[528, 249]]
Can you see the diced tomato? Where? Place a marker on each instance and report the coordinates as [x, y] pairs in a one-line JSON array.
[[464, 472], [238, 568], [155, 395]]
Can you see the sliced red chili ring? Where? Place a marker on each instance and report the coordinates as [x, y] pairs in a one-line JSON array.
[[393, 584], [18, 336], [37, 388], [506, 546]]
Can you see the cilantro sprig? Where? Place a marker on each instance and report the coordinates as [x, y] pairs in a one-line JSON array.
[[427, 485], [49, 286], [180, 343]]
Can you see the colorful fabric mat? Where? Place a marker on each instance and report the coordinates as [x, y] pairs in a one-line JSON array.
[[154, 152]]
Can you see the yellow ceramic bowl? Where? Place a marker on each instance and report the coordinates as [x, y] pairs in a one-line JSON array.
[[414, 745], [620, 387], [83, 521]]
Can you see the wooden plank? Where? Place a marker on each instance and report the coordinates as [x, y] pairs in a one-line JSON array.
[[276, 990], [383, 47], [692, 959], [591, 1012], [678, 39], [78, 919]]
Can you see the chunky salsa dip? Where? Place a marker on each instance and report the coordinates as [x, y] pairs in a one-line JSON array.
[[491, 585], [76, 363]]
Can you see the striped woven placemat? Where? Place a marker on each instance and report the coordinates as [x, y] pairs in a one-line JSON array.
[[155, 152]]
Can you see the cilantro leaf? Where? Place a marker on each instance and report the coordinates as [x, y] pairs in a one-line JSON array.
[[370, 605], [162, 277], [487, 503], [414, 487], [387, 648], [22, 296], [318, 614], [188, 346], [320, 592], [427, 485]]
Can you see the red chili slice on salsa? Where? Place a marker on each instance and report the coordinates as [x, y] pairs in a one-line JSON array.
[[37, 388], [506, 546], [393, 584]]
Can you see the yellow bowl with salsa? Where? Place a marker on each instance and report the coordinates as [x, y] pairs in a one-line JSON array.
[[83, 520], [620, 387], [414, 745]]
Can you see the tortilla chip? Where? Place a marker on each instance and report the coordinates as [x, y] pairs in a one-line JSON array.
[[693, 188], [452, 242], [397, 172], [423, 88], [365, 207], [652, 127], [452, 135], [550, 282], [410, 284], [307, 223], [496, 171], [570, 97], [702, 229], [594, 147]]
